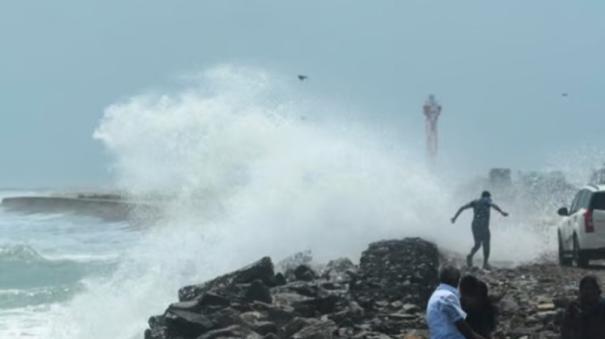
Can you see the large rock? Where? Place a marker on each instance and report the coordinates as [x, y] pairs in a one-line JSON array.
[[304, 273], [186, 323], [396, 270], [259, 291], [318, 329], [234, 331], [261, 270]]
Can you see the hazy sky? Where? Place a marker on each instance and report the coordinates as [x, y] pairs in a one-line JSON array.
[[499, 69]]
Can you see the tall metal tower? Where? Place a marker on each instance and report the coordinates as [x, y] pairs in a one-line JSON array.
[[432, 110]]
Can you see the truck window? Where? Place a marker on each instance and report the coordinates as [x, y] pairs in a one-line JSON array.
[[598, 201], [585, 199], [574, 203]]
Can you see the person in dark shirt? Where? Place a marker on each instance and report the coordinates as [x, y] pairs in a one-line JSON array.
[[481, 234], [481, 314], [585, 318]]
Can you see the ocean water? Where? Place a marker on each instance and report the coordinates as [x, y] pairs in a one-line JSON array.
[[244, 166], [47, 259]]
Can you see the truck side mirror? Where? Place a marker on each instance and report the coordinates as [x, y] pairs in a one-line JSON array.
[[563, 212]]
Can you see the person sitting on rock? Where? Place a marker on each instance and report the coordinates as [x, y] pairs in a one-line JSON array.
[[481, 234], [444, 314], [480, 313], [585, 318]]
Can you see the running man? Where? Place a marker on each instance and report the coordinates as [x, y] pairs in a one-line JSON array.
[[481, 209]]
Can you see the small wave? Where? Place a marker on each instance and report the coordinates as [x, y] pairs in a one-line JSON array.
[[40, 217], [84, 258], [24, 268], [18, 298], [27, 254], [19, 252]]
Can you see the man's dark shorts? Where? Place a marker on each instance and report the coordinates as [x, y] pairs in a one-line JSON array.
[[481, 233]]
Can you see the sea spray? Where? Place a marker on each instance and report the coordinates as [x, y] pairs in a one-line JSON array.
[[233, 151]]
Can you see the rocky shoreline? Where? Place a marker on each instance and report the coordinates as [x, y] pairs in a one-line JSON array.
[[384, 296]]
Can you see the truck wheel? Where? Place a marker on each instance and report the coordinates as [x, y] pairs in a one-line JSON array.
[[563, 260], [580, 258]]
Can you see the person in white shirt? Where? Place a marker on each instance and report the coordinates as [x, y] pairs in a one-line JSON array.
[[444, 314]]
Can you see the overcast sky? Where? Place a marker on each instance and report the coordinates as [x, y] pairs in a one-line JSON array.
[[499, 69]]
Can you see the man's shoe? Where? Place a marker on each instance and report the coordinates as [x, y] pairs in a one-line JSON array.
[[487, 267]]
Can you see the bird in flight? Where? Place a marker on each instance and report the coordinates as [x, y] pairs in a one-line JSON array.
[[302, 77]]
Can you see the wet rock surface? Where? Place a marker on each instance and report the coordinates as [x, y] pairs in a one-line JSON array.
[[396, 271], [383, 297]]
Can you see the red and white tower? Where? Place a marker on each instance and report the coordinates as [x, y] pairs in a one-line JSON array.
[[432, 111]]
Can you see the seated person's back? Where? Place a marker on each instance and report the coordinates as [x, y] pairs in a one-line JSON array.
[[481, 314], [585, 318]]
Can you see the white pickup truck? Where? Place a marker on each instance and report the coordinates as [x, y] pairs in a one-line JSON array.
[[581, 232]]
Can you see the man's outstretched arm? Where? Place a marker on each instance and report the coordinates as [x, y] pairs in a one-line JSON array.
[[467, 206], [497, 208]]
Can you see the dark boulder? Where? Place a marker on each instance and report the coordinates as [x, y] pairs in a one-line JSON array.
[[234, 331], [396, 270], [264, 327], [280, 314], [224, 317], [308, 289], [186, 323], [156, 333], [259, 291], [295, 325], [348, 315], [317, 306], [157, 328], [304, 273], [280, 279], [261, 270], [318, 329]]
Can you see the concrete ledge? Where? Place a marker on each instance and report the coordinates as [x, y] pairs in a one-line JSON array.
[[108, 209]]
